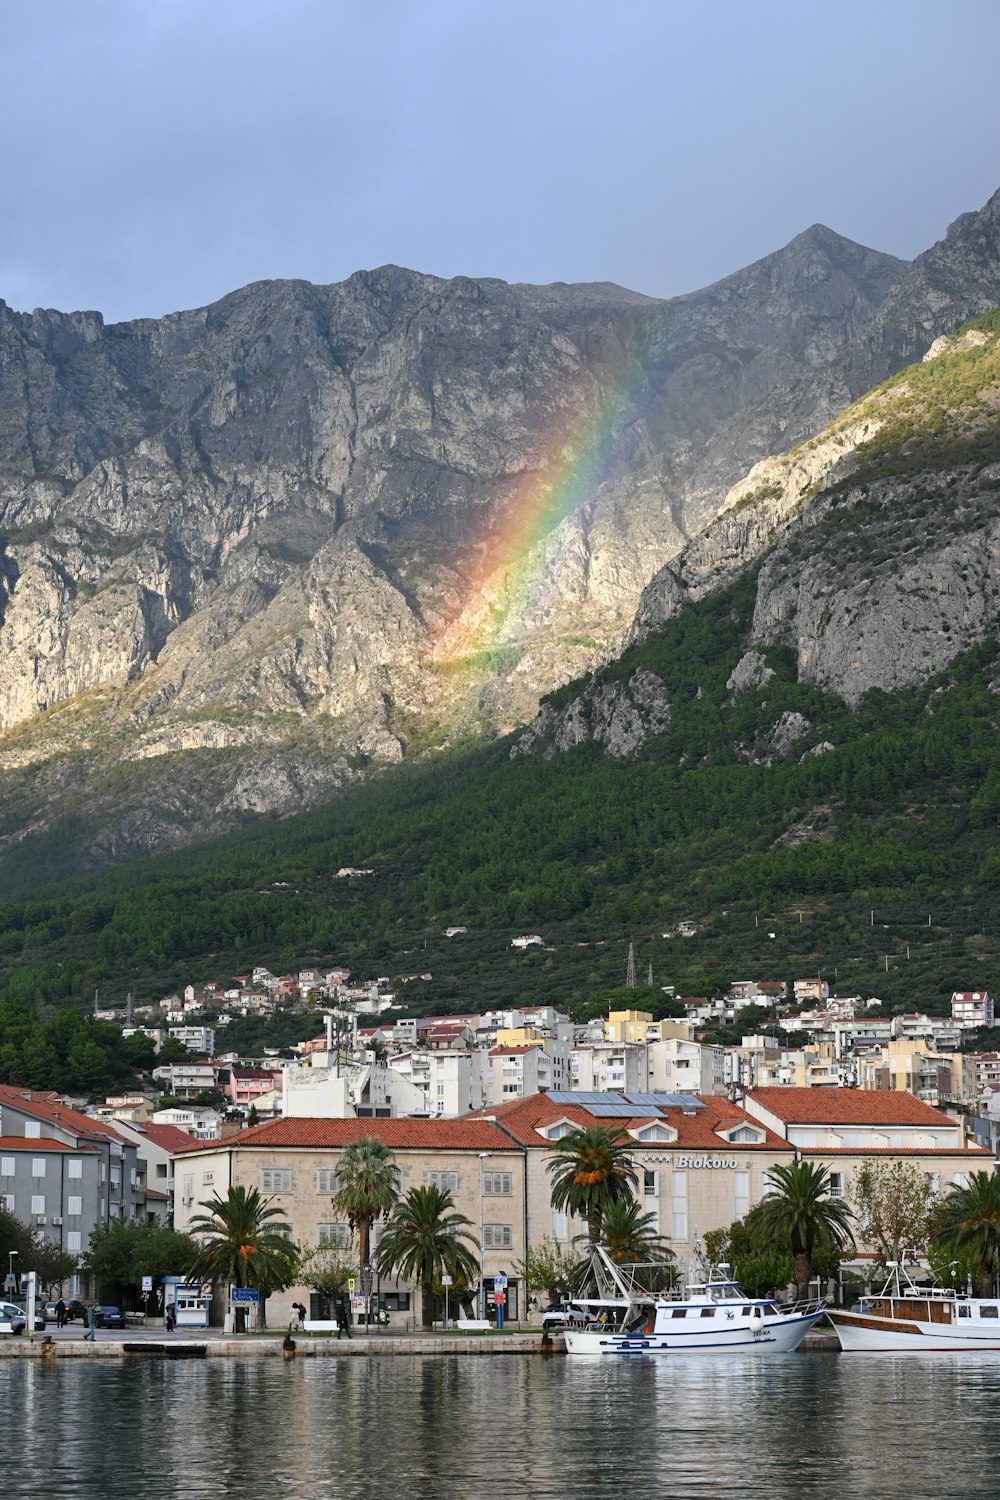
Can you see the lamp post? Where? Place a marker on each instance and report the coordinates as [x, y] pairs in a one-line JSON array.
[[10, 1270], [482, 1211]]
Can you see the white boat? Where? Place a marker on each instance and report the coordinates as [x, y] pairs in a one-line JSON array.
[[713, 1316], [905, 1318]]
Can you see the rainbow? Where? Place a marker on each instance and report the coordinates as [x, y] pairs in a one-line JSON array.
[[521, 534]]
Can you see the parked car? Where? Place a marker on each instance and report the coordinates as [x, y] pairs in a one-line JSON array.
[[13, 1315], [74, 1309], [18, 1303], [564, 1315], [110, 1317]]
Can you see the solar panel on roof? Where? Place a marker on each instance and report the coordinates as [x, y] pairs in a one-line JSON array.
[[637, 1111], [667, 1101], [583, 1096]]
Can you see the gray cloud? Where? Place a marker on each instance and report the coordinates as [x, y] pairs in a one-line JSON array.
[[159, 153]]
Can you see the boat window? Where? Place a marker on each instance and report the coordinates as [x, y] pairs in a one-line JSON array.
[[745, 1311], [679, 1312], [987, 1312], [964, 1312], [708, 1312]]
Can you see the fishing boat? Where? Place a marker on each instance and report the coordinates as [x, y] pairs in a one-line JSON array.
[[903, 1317], [712, 1315]]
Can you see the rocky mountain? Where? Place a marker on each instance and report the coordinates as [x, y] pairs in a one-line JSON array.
[[876, 547], [247, 550]]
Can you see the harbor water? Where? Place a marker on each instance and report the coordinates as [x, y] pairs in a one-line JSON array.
[[550, 1429]]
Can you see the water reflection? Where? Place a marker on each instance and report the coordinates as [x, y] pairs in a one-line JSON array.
[[801, 1425]]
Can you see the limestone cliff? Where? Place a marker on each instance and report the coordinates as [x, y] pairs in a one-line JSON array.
[[311, 528]]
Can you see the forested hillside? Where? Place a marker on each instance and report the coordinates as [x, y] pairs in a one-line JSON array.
[[883, 846]]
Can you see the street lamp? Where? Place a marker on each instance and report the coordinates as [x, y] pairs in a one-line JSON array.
[[10, 1270], [482, 1211]]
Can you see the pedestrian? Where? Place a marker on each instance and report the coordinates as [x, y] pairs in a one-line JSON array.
[[170, 1319], [300, 1313], [60, 1314], [343, 1319], [91, 1334]]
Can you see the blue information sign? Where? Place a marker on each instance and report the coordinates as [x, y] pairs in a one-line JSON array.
[[244, 1294]]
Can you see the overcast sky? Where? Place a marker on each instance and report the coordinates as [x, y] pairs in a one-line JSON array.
[[158, 153]]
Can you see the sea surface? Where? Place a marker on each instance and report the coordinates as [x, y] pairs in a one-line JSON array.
[[423, 1428]]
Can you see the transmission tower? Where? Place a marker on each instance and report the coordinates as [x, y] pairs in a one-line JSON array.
[[630, 971]]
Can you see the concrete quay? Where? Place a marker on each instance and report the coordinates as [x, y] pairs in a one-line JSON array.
[[212, 1343]]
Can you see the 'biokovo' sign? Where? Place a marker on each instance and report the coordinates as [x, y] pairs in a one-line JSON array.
[[706, 1161]]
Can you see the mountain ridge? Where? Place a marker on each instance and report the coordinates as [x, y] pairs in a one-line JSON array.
[[277, 531]]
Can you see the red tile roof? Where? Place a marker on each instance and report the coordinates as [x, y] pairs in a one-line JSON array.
[[469, 1134], [50, 1107], [167, 1137], [695, 1132], [36, 1143], [837, 1106]]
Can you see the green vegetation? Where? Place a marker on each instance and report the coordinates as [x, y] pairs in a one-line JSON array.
[[33, 1252], [425, 1239], [244, 1242], [798, 1217], [121, 1253], [968, 1219], [591, 1170], [367, 1187]]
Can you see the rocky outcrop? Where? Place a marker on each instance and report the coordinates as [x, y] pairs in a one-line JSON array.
[[619, 716]]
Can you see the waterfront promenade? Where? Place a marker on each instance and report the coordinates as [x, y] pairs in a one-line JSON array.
[[212, 1343], [149, 1341]]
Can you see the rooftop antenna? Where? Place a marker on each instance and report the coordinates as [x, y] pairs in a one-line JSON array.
[[630, 971], [128, 1011]]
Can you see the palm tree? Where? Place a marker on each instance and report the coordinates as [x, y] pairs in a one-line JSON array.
[[591, 1170], [798, 1215], [244, 1243], [969, 1219], [424, 1239], [367, 1187], [631, 1237]]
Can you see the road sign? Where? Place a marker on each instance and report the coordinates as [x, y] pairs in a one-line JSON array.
[[244, 1294], [147, 1283], [500, 1282], [446, 1280]]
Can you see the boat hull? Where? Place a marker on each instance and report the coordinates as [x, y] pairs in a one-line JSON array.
[[779, 1335], [864, 1333]]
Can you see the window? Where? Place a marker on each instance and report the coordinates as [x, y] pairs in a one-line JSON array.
[[959, 1180], [208, 1176], [679, 1226], [7, 1199], [38, 1203], [74, 1167], [497, 1184], [560, 1226], [161, 1169], [836, 1184], [6, 1166], [333, 1234], [679, 1184], [38, 1166], [32, 1129], [73, 1240], [326, 1180], [987, 1312], [276, 1180], [446, 1181], [648, 1183], [74, 1205], [497, 1237], [745, 1133]]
